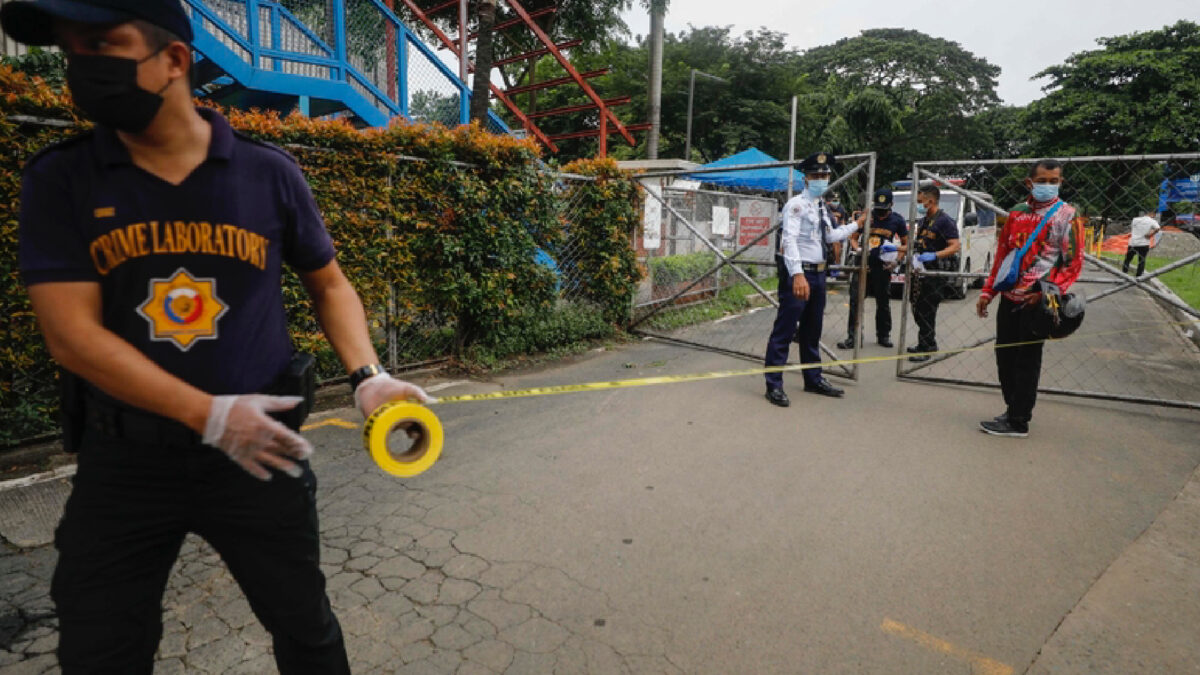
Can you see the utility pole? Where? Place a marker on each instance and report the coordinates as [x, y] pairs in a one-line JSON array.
[[657, 10], [687, 150]]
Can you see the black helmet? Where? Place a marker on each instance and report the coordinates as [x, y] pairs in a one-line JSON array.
[[1057, 314]]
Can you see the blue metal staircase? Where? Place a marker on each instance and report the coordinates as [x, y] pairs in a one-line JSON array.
[[323, 57]]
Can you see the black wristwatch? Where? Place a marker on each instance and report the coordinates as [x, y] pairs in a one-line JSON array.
[[360, 375]]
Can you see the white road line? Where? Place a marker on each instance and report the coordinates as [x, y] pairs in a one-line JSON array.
[[445, 385]]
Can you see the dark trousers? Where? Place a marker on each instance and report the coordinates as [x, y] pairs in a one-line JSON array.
[[1019, 368], [809, 316], [122, 530], [879, 283], [926, 297], [1141, 252]]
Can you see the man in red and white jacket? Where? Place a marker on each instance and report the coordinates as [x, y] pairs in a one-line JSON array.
[[1055, 257]]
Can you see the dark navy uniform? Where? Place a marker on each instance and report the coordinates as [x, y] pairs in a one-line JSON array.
[[807, 229], [886, 227], [191, 276], [932, 235]]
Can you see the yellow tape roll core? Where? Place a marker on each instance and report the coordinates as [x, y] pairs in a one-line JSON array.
[[424, 452]]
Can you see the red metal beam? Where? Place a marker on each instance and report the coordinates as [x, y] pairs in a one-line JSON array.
[[505, 25], [606, 114], [525, 88], [442, 7], [538, 52], [609, 102], [589, 133], [496, 91]]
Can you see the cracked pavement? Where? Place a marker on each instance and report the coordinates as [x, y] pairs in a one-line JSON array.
[[695, 528]]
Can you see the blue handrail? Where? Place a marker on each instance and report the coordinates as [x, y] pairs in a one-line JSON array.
[[267, 49]]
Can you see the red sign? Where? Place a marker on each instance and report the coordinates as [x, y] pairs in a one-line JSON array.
[[754, 218]]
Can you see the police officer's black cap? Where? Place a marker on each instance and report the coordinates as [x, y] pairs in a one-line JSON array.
[[882, 199], [818, 162], [32, 21]]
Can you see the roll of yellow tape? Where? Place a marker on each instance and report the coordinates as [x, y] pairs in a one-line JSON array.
[[424, 452]]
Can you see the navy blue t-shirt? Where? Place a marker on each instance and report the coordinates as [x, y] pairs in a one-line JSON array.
[[936, 236], [886, 230], [190, 275]]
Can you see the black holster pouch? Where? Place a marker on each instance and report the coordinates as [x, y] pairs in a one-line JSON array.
[[72, 393], [298, 379]]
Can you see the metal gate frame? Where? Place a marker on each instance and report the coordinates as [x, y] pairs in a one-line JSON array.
[[866, 162], [1120, 280]]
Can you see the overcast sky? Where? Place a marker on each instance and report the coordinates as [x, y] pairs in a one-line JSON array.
[[1020, 36]]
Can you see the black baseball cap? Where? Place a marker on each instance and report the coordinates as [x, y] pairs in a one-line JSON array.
[[32, 21], [883, 199]]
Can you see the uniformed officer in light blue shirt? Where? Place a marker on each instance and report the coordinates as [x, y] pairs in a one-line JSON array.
[[808, 227]]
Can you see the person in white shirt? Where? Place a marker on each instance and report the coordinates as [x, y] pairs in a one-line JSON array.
[[808, 227], [1141, 238]]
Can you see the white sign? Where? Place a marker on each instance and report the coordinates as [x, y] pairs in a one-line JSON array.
[[720, 221], [652, 220], [681, 184]]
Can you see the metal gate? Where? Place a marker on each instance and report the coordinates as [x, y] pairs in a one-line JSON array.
[[708, 246], [1138, 342]]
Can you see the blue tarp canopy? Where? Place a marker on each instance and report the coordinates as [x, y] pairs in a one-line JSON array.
[[772, 180]]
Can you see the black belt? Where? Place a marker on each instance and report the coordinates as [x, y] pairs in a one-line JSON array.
[[812, 267], [137, 426]]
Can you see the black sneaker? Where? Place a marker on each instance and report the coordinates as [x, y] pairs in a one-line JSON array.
[[778, 397], [920, 359], [886, 342], [1005, 428], [848, 343]]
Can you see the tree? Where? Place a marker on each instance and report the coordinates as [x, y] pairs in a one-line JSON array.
[[899, 92], [1005, 133], [592, 21], [1140, 93], [480, 91], [754, 111]]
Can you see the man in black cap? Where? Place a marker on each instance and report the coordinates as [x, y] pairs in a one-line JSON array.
[[886, 227], [800, 263], [152, 247]]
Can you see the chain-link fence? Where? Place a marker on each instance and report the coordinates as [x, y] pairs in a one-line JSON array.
[[413, 325], [708, 245], [1138, 341], [423, 335]]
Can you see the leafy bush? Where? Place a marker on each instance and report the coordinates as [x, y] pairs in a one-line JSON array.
[[438, 229]]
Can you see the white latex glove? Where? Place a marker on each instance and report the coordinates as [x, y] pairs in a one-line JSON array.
[[239, 427], [383, 388]]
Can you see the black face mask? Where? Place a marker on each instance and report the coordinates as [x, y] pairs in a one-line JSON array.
[[105, 88], [880, 214]]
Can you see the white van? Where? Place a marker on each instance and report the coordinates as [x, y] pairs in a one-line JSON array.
[[977, 230]]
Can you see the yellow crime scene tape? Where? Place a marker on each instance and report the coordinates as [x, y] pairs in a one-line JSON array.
[[420, 422]]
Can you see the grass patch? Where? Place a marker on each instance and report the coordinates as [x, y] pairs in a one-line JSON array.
[[1184, 282], [729, 301]]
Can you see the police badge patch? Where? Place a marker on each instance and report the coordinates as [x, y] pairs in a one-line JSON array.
[[183, 309]]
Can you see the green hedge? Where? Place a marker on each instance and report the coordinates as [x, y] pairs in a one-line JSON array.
[[438, 229]]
